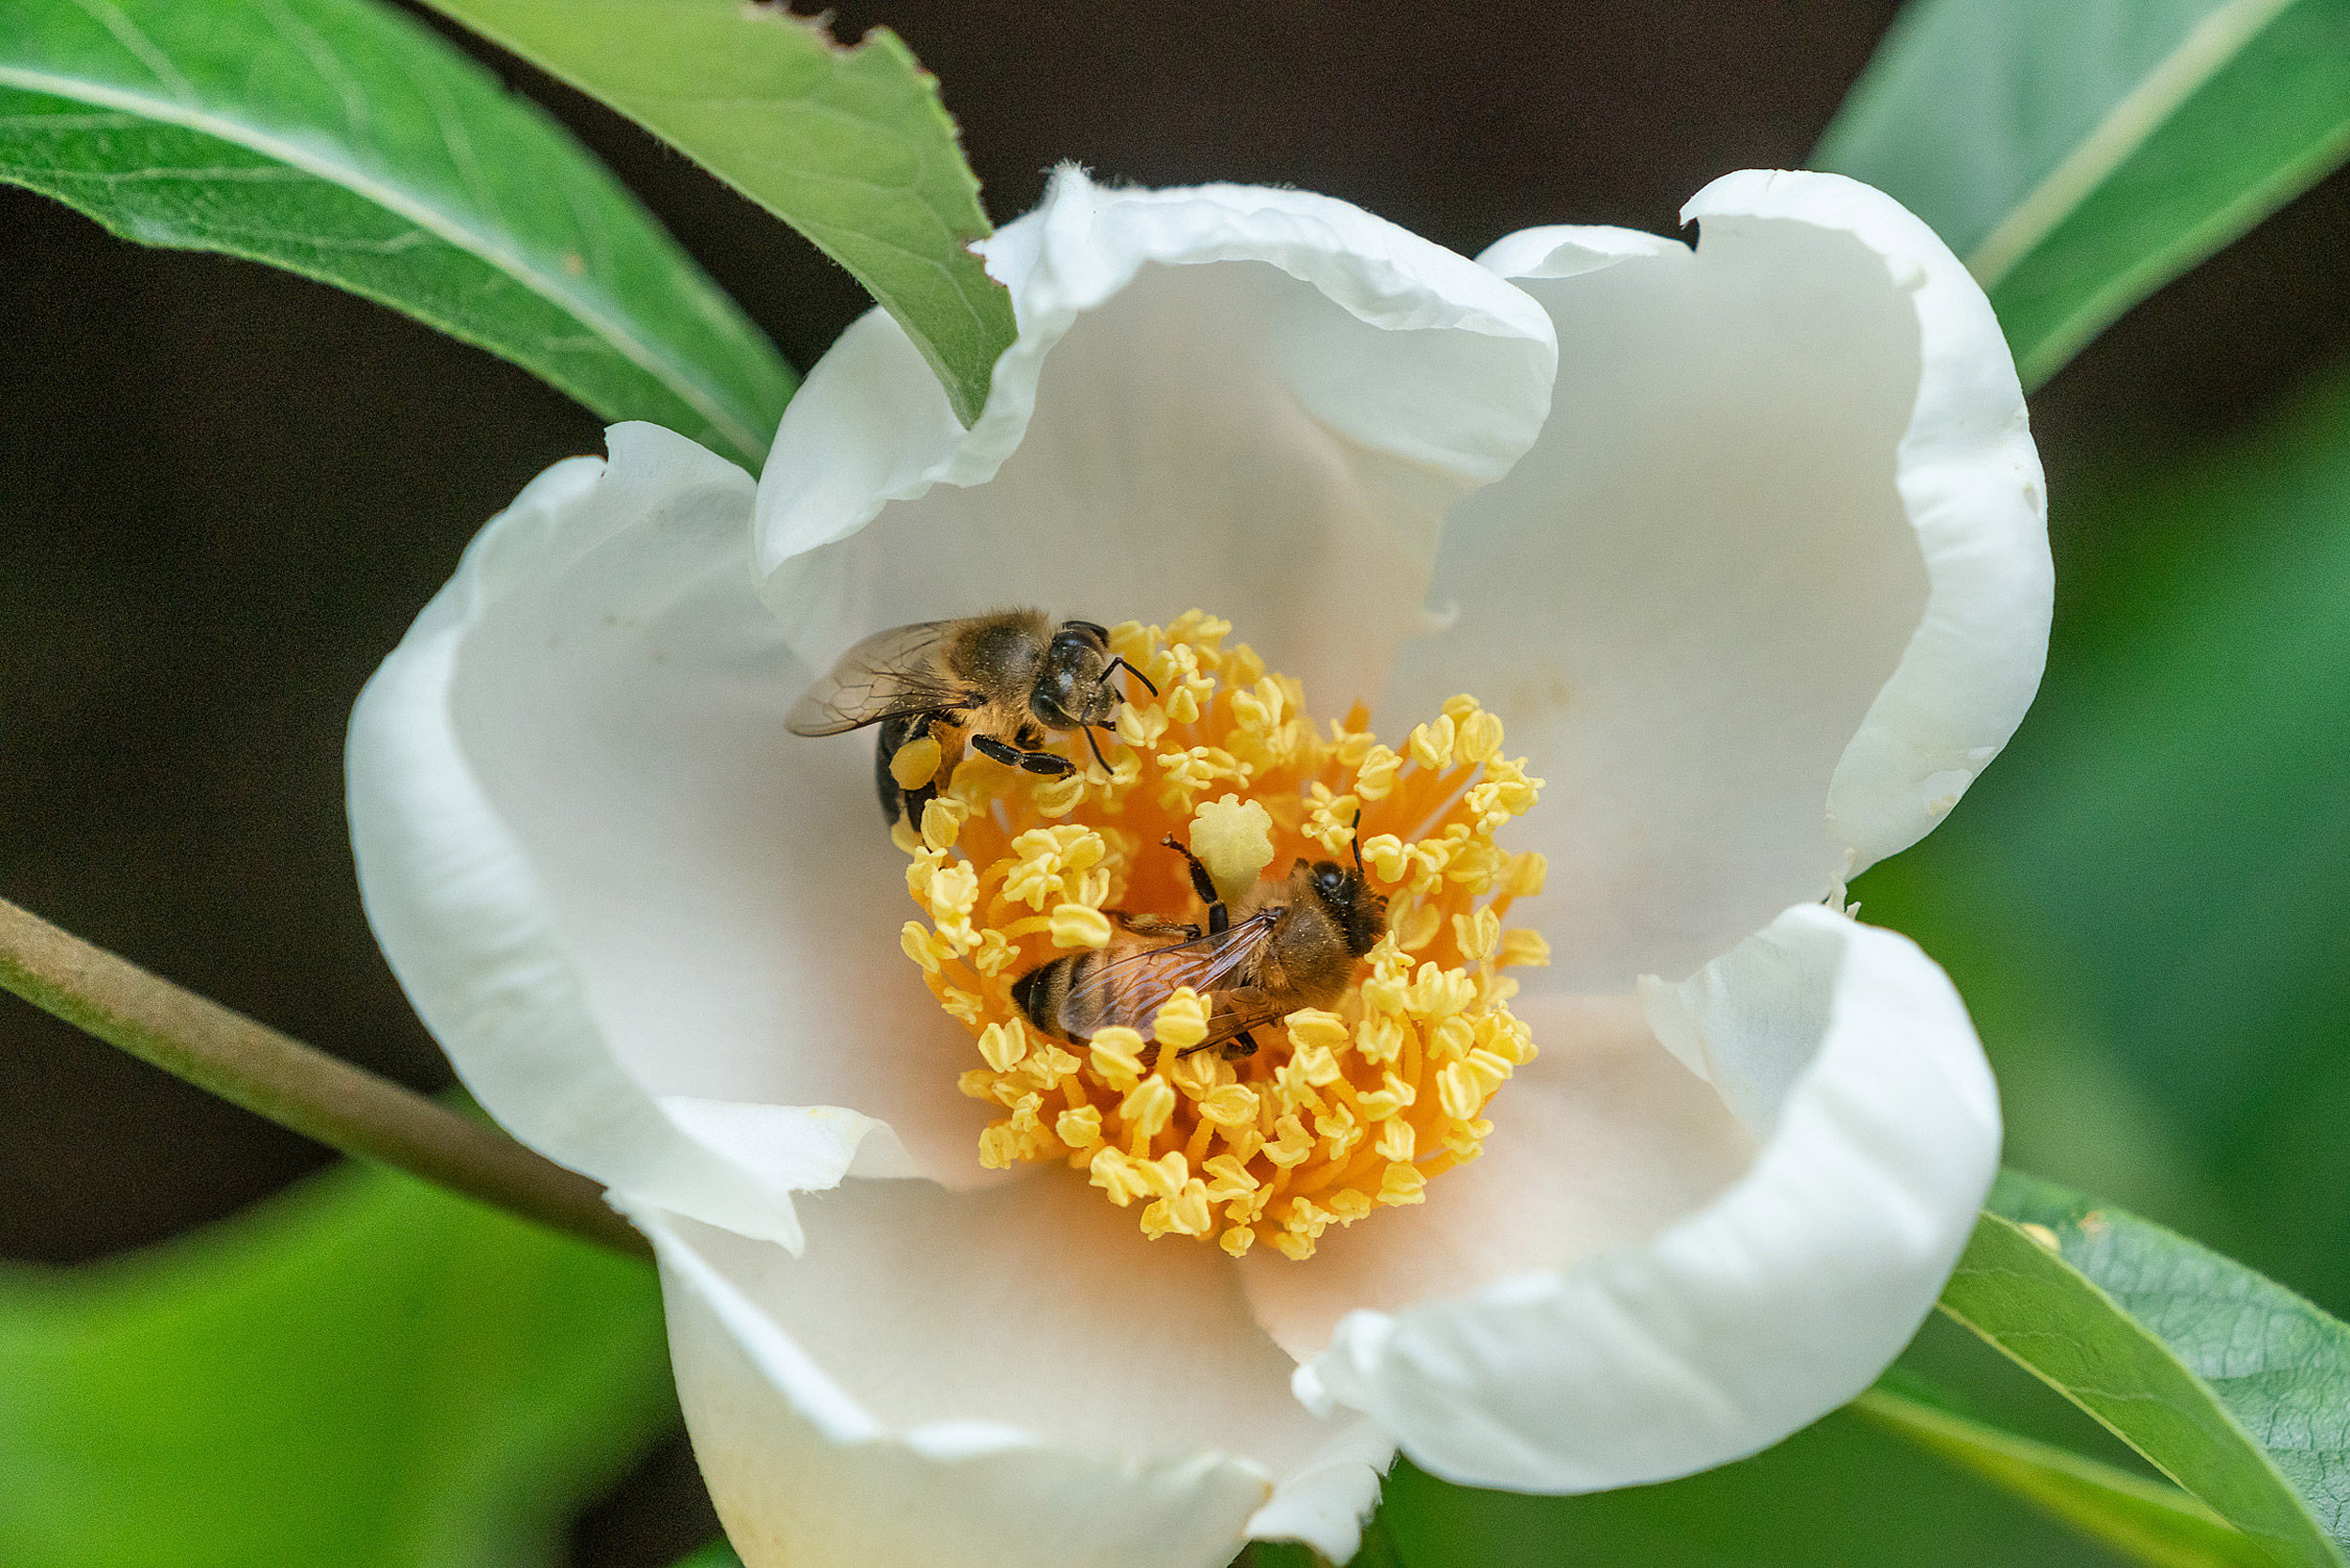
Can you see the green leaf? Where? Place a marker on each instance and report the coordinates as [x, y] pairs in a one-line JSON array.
[[361, 1372], [2080, 156], [1378, 1549], [1280, 1554], [2228, 1384], [343, 141], [716, 1555], [2151, 1523], [851, 147], [1842, 1494]]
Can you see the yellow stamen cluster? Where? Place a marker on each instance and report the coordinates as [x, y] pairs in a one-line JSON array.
[[1341, 1110]]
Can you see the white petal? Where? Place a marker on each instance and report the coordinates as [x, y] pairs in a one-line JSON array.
[[1601, 1142], [657, 935], [1774, 585], [1012, 1376], [1253, 401], [1971, 485], [1325, 1502], [1765, 1309]]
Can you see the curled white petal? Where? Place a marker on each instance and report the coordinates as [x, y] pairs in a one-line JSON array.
[[1255, 402], [613, 886], [1971, 485], [1012, 1376], [1601, 1142], [1851, 1060], [1772, 585]]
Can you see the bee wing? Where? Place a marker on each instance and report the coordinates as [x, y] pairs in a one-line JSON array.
[[885, 675], [1132, 989], [1229, 1021]]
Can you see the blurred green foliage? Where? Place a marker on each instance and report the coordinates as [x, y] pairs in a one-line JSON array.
[[360, 1373], [2143, 900]]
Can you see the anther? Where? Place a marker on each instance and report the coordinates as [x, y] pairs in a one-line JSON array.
[[1187, 1100]]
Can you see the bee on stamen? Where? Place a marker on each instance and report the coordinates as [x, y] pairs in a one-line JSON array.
[[1288, 943], [996, 683]]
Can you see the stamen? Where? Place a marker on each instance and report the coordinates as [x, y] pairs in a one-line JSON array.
[[1342, 1108], [1233, 839]]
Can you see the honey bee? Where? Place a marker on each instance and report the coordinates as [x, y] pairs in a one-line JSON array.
[[1288, 944], [995, 682]]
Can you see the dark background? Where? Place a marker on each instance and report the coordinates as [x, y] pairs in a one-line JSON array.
[[224, 491]]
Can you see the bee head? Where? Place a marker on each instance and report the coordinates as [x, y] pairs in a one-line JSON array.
[[1072, 685], [1360, 913]]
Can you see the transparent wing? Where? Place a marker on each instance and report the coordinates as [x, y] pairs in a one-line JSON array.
[[1131, 990], [887, 674], [1231, 1020]]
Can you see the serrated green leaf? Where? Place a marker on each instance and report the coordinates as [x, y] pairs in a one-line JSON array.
[[2228, 1384], [343, 141], [2080, 156], [851, 147], [2149, 1522], [363, 1372]]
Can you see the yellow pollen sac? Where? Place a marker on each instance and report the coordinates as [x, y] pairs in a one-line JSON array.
[[1233, 839], [1077, 925], [914, 763], [1344, 1108]]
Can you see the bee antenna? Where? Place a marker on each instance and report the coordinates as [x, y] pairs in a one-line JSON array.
[[1118, 663], [1097, 749], [1359, 842]]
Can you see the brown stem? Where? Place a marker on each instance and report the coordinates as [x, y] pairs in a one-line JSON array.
[[296, 1086]]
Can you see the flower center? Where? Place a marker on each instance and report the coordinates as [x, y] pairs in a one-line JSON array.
[[1244, 1068]]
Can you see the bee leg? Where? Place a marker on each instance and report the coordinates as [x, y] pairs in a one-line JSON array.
[[894, 733], [1203, 884], [1013, 757], [1154, 925], [1238, 1046], [988, 745]]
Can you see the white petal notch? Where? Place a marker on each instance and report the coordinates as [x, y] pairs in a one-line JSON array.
[[1850, 1058], [509, 810], [1256, 401], [1773, 587]]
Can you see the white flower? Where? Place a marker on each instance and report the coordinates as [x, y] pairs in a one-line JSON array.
[[1759, 586]]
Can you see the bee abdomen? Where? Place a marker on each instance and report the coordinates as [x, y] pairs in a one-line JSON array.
[[1039, 992]]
